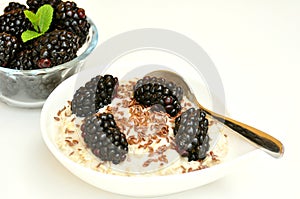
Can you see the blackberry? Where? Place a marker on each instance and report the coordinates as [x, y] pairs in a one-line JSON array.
[[160, 97], [14, 23], [96, 93], [72, 18], [51, 49], [14, 6], [191, 136], [9, 46], [176, 90], [25, 60], [59, 46], [104, 138], [35, 4], [56, 47]]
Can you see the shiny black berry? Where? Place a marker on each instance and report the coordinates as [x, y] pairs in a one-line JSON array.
[[14, 6], [9, 46], [14, 23], [25, 60], [159, 97], [72, 18], [176, 90], [35, 4], [95, 94], [104, 138], [51, 49], [191, 138], [55, 48]]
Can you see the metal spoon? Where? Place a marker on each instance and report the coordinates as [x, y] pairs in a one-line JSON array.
[[259, 138]]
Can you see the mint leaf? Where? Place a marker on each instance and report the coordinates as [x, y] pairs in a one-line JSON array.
[[32, 18], [41, 22], [29, 34], [44, 14]]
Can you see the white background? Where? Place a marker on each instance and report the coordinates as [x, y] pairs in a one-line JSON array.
[[255, 45]]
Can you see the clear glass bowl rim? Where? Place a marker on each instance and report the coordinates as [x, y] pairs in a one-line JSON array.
[[82, 56]]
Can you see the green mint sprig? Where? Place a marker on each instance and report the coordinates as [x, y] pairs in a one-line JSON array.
[[41, 21]]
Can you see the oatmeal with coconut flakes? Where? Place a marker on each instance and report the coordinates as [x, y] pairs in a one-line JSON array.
[[131, 136]]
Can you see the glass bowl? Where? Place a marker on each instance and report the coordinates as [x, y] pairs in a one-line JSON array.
[[30, 88]]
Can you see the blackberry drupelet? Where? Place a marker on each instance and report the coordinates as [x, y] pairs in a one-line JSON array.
[[35, 4], [9, 46], [14, 23], [14, 6], [191, 136], [69, 17], [160, 97], [95, 94], [176, 90], [104, 138]]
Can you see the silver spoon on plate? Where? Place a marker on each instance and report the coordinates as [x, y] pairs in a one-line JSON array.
[[257, 137]]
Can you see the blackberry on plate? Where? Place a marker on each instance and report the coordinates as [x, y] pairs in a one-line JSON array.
[[14, 6], [160, 97], [104, 138], [72, 18], [191, 136], [176, 90], [95, 94], [35, 4], [14, 23], [9, 46]]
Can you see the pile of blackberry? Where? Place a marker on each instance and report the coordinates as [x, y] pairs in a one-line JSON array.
[[53, 48], [95, 94], [191, 138], [68, 32], [158, 94], [8, 48], [104, 138]]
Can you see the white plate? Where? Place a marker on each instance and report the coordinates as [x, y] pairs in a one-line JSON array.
[[240, 153]]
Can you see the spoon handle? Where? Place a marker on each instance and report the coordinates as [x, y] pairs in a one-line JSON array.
[[265, 141]]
